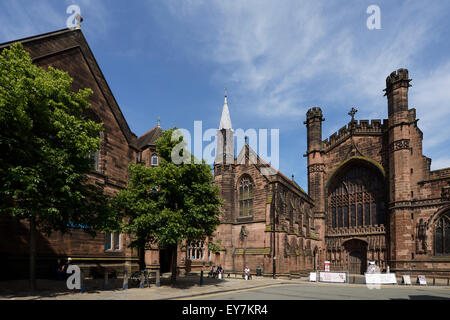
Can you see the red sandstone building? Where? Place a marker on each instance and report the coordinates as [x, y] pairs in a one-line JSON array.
[[371, 193]]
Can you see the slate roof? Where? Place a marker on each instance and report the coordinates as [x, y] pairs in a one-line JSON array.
[[149, 138]]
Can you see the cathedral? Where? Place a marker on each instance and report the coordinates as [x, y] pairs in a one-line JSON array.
[[371, 194]]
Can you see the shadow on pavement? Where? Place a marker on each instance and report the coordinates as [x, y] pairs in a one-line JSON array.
[[52, 288]]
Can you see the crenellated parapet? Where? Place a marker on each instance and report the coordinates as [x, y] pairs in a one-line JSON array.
[[397, 76], [314, 112], [361, 127]]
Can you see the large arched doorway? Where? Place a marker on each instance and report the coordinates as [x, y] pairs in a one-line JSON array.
[[357, 256]]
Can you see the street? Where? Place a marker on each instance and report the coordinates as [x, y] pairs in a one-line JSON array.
[[322, 291]]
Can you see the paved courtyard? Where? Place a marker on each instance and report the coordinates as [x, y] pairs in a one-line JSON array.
[[188, 288]]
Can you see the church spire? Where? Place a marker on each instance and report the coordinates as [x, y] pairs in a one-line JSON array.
[[225, 120], [225, 137]]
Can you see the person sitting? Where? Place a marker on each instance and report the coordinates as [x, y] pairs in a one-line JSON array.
[[211, 272]]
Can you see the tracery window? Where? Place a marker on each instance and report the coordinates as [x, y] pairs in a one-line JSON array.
[[356, 198], [195, 250], [442, 235], [245, 197]]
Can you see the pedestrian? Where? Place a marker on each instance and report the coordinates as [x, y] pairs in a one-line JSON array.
[[219, 271], [247, 273], [59, 269]]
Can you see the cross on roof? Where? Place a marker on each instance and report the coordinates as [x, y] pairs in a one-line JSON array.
[[352, 113]]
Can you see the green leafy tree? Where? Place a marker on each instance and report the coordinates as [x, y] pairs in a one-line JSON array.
[[45, 143], [169, 203]]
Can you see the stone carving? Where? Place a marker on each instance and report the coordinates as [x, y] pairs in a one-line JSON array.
[[400, 145], [243, 234], [421, 240], [318, 167], [445, 193]]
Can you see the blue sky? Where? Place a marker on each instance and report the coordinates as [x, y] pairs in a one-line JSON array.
[[173, 59]]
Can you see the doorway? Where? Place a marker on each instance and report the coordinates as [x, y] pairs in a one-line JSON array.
[[165, 260], [357, 256], [357, 262]]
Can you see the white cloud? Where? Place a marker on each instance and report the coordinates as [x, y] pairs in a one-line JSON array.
[[283, 57], [19, 20]]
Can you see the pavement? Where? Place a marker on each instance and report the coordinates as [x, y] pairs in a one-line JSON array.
[[188, 287]]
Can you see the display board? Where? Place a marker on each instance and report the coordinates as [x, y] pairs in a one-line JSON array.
[[340, 277], [380, 278]]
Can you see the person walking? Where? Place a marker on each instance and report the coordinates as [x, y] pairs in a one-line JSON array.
[[247, 273]]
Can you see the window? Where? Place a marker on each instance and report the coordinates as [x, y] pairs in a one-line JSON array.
[[442, 235], [138, 157], [154, 160], [356, 198], [95, 158], [196, 251], [245, 197], [112, 241]]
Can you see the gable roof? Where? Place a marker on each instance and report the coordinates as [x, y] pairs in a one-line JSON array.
[[261, 163], [149, 138], [69, 39]]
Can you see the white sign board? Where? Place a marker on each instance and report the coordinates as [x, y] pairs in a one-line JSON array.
[[313, 276], [327, 266], [406, 279], [380, 278], [422, 280], [340, 277]]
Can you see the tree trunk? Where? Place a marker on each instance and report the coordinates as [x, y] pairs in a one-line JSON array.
[[32, 265], [141, 252], [173, 279]]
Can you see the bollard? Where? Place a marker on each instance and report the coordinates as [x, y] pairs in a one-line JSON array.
[[201, 277], [82, 283], [434, 281], [125, 280], [158, 279], [106, 285]]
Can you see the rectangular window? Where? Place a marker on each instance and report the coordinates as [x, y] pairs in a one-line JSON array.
[[108, 240], [353, 219], [346, 217], [116, 240], [112, 241], [340, 217], [333, 218], [374, 214], [360, 215], [366, 214], [94, 156], [380, 213]]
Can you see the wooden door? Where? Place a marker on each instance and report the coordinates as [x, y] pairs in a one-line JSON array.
[[357, 262]]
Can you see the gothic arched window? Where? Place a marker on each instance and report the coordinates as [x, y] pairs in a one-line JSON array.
[[245, 197], [442, 235], [154, 160], [356, 198]]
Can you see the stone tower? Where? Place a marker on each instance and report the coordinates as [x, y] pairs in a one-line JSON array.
[[400, 197], [316, 170], [314, 154], [224, 165]]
